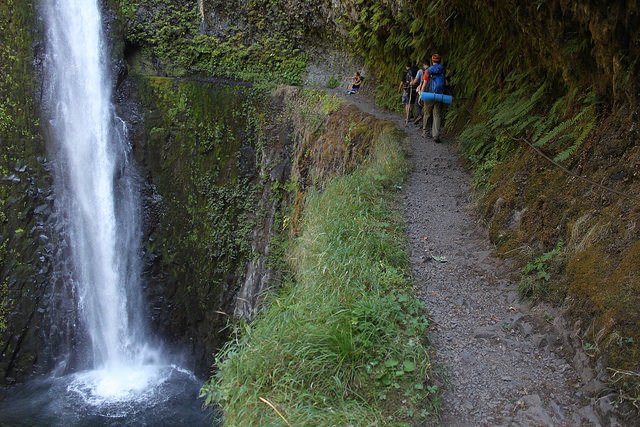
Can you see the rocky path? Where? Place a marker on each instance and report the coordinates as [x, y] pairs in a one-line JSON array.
[[499, 361]]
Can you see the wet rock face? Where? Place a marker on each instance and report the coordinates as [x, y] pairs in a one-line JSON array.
[[259, 275], [28, 249], [208, 160], [27, 239]]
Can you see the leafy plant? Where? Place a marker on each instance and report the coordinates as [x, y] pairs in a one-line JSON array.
[[265, 56], [490, 141], [333, 82], [568, 134], [441, 259], [535, 274]]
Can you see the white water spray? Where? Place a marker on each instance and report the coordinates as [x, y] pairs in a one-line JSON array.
[[97, 197]]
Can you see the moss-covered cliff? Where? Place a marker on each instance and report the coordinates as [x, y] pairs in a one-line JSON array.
[[208, 156], [26, 245], [260, 41]]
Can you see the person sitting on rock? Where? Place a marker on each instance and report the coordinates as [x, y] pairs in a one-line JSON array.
[[356, 82]]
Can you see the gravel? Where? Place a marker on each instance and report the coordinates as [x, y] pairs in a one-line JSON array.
[[495, 365]]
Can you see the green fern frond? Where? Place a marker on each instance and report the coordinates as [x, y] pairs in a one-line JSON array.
[[554, 133], [564, 155]]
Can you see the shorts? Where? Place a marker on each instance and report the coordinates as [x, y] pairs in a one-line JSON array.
[[408, 97]]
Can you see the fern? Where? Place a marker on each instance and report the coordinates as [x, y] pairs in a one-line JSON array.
[[574, 129], [527, 123], [564, 155], [554, 133], [515, 109]]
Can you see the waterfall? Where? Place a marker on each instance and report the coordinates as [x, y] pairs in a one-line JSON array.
[[112, 371], [97, 198]]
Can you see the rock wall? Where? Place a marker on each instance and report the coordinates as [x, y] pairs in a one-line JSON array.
[[209, 157], [27, 242]]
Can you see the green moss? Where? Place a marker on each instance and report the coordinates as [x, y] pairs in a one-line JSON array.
[[195, 144], [614, 301], [19, 143], [170, 32]]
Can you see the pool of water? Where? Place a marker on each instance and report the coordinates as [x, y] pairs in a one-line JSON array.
[[167, 396]]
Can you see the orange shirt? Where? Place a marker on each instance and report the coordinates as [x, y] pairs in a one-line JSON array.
[[425, 79]]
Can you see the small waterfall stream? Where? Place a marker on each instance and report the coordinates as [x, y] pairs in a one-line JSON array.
[[122, 375]]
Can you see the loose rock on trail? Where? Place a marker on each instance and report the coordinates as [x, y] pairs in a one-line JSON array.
[[497, 365]]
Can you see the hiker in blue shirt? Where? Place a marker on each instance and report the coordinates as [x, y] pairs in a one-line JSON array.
[[417, 84], [434, 82]]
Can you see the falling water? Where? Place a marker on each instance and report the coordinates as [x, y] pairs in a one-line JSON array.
[[97, 197], [118, 375]]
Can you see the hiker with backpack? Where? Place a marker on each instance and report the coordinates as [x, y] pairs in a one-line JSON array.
[[417, 83], [434, 81], [407, 89]]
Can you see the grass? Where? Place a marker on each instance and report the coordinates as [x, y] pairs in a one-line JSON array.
[[536, 274], [343, 342], [333, 82]]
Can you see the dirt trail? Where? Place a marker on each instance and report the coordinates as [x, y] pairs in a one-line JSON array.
[[499, 361]]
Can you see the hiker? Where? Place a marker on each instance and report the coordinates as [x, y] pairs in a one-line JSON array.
[[356, 82], [407, 89], [434, 82], [417, 83]]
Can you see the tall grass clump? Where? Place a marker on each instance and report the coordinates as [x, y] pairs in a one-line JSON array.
[[343, 342]]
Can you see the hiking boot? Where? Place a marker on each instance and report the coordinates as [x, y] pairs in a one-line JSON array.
[[436, 140]]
